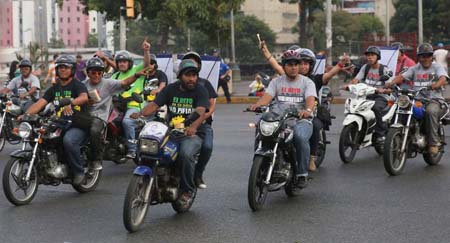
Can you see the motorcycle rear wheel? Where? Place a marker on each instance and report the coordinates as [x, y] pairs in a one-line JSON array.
[[257, 190], [434, 159], [14, 173], [322, 149], [347, 140], [135, 208], [394, 160], [92, 178]]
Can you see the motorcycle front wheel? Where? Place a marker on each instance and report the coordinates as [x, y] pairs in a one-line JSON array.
[[136, 205], [257, 190], [17, 189], [394, 159], [2, 139], [348, 143]]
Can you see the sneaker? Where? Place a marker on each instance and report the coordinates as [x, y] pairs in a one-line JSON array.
[[96, 165], [78, 179], [433, 149], [312, 163], [131, 155], [200, 183], [302, 182]]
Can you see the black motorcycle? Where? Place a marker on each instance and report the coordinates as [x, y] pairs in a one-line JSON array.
[[407, 136], [274, 163], [9, 111], [44, 163], [325, 115]]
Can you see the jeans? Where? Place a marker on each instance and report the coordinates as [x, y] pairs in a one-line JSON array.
[[206, 150], [72, 141], [96, 133], [189, 147], [434, 112], [302, 133], [129, 128], [315, 138], [377, 108]]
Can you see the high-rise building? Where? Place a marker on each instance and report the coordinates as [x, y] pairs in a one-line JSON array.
[[6, 23], [73, 24]]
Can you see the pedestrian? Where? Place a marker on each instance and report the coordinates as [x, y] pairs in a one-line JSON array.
[[256, 87], [80, 72], [224, 77], [13, 70], [403, 61], [51, 74], [440, 56]]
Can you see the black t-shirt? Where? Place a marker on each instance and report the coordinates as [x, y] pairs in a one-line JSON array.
[[211, 92], [157, 78], [182, 102], [71, 91], [318, 81]]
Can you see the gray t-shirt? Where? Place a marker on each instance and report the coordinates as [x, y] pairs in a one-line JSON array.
[[291, 93], [373, 76], [32, 81], [106, 89], [422, 77]]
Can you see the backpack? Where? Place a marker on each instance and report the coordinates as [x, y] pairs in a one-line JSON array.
[[380, 71]]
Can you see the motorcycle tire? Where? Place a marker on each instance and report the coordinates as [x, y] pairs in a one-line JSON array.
[[92, 178], [134, 198], [379, 148], [322, 149], [2, 139], [348, 132], [434, 159], [257, 190], [394, 161], [9, 177]]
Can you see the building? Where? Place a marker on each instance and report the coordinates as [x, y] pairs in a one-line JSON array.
[[73, 24], [6, 23], [102, 29], [372, 7]]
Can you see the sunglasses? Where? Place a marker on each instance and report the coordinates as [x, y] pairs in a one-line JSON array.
[[426, 55], [96, 72]]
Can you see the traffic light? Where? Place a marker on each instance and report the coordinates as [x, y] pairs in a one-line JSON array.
[[129, 5]]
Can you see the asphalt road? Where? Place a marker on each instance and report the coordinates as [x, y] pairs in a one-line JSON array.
[[357, 202]]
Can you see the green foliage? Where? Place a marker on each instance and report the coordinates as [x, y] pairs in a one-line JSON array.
[[56, 43], [92, 41]]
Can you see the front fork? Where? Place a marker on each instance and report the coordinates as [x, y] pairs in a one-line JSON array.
[[271, 165], [3, 120], [33, 158], [148, 189]]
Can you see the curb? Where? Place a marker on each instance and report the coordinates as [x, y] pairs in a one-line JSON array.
[[252, 100]]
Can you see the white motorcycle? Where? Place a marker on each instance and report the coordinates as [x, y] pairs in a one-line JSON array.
[[359, 123]]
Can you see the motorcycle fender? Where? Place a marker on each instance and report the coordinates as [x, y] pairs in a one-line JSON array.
[[22, 154], [397, 125], [265, 153], [143, 170], [350, 118], [390, 113]]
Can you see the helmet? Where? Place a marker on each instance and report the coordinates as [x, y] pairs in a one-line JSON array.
[[424, 48], [25, 63], [124, 56], [290, 55], [440, 45], [309, 56], [66, 60], [375, 50], [399, 45], [185, 66], [294, 47], [154, 59], [96, 64], [194, 55]]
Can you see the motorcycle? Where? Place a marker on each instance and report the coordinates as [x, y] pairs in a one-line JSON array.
[[44, 163], [9, 111], [359, 122], [325, 100], [156, 179], [406, 137], [274, 163]]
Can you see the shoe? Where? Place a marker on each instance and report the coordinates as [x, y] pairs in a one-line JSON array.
[[95, 165], [200, 183], [312, 163], [131, 155], [78, 179], [185, 199], [302, 182], [433, 149]]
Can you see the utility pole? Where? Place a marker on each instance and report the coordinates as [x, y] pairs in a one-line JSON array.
[[388, 28], [123, 29], [233, 51], [420, 22], [329, 34], [189, 38]]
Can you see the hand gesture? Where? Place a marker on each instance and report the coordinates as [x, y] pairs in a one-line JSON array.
[[100, 54], [146, 45]]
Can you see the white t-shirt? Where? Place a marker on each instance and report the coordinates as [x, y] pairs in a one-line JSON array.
[[32, 81], [440, 56]]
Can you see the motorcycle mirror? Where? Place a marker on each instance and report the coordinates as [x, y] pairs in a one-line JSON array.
[[137, 97]]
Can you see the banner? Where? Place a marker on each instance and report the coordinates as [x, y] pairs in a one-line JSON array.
[[319, 67], [389, 57], [165, 64], [210, 69]]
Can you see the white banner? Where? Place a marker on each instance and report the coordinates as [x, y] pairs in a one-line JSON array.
[[210, 69], [165, 64], [319, 67], [389, 57]]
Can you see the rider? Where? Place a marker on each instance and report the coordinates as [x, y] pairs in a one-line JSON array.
[[27, 85], [422, 75], [124, 63], [99, 106], [71, 97], [294, 89], [108, 59], [403, 61], [154, 75], [207, 145], [183, 98], [374, 74]]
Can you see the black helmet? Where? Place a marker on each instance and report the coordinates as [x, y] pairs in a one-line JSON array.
[[186, 66], [309, 56], [424, 49], [399, 45], [375, 50], [194, 55], [25, 63], [124, 56], [290, 55], [66, 60], [154, 59], [95, 63]]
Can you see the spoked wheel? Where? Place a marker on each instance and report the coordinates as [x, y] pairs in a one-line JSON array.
[[321, 150], [348, 143], [136, 204], [434, 159], [257, 190], [91, 180], [2, 139], [17, 189], [394, 159]]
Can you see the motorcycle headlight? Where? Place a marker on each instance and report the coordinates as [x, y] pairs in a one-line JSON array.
[[268, 128], [403, 101], [25, 130], [148, 146]]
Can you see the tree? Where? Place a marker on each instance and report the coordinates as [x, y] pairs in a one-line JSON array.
[[56, 43], [435, 12], [92, 41]]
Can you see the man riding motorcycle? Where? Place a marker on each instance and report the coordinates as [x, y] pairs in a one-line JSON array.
[[99, 107], [403, 61], [153, 75], [184, 98], [373, 74], [293, 89], [71, 96], [207, 145], [26, 85], [422, 75]]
